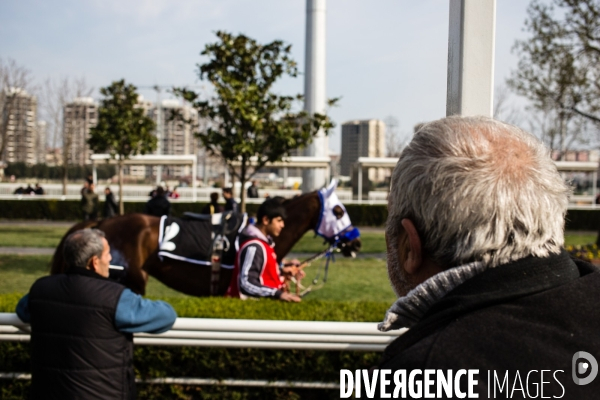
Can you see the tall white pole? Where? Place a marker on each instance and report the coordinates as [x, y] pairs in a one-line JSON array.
[[471, 57], [158, 134], [314, 88]]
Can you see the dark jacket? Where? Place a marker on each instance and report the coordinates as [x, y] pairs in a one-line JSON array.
[[111, 208], [532, 314], [77, 353], [158, 206], [212, 208], [252, 192], [231, 205], [89, 202]]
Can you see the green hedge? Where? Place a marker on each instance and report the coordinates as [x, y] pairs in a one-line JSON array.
[[44, 171], [361, 214], [154, 361]]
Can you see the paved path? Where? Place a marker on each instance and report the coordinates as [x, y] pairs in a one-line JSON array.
[[44, 251], [37, 222], [27, 251]]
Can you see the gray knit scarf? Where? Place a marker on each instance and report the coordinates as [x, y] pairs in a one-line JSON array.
[[409, 309]]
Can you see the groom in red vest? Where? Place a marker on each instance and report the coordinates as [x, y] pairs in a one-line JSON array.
[[256, 270]]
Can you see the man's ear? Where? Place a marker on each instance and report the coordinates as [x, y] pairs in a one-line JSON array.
[[414, 260], [93, 263]]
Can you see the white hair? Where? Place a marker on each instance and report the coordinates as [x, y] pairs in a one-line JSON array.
[[478, 189]]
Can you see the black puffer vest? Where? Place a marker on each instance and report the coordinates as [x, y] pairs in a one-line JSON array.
[[77, 353]]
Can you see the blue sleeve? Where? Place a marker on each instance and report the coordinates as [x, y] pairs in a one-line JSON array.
[[23, 309], [136, 314]]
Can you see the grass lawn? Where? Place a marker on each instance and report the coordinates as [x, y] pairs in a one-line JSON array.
[[49, 236], [31, 236], [372, 241], [349, 279]]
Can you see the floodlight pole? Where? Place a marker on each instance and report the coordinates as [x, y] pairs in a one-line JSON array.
[[471, 40], [314, 88]]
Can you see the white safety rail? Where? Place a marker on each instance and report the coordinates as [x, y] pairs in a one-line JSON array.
[[585, 201], [243, 333]]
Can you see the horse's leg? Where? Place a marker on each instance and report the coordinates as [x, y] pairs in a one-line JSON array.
[[137, 276]]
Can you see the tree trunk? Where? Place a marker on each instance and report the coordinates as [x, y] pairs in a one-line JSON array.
[[65, 178], [243, 183], [120, 172], [563, 137]]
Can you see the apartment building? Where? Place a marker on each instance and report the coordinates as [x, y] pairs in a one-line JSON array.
[[79, 116], [19, 121], [363, 138]]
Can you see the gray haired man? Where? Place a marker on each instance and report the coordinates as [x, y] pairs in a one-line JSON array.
[[475, 254], [82, 325]]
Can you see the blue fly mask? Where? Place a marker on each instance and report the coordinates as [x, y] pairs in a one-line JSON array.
[[334, 223]]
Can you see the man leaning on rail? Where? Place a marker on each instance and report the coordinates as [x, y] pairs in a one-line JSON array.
[[475, 253], [82, 325]]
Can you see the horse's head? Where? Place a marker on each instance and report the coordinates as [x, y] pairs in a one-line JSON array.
[[334, 223]]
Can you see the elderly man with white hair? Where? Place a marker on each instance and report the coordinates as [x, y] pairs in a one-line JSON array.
[[475, 254]]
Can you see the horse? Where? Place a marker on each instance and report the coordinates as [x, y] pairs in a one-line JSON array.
[[134, 241]]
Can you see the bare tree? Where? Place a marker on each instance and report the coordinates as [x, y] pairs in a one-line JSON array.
[[14, 80], [504, 109], [558, 130], [394, 140], [55, 96]]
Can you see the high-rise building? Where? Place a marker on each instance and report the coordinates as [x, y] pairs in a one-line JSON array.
[[174, 137], [362, 138], [177, 137], [40, 142], [79, 116], [20, 116]]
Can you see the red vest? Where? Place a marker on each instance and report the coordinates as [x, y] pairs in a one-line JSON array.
[[269, 274]]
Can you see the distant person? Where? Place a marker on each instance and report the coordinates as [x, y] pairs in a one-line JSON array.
[[86, 185], [158, 205], [174, 194], [19, 190], [111, 208], [38, 189], [89, 203], [213, 207], [168, 192], [29, 189], [82, 325], [230, 203], [252, 191]]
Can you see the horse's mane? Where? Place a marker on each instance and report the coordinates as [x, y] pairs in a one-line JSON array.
[[297, 197]]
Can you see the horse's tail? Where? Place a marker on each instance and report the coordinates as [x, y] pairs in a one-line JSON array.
[[58, 262]]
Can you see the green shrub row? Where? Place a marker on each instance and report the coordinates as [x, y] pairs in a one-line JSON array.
[[360, 214], [70, 210], [221, 307], [44, 171], [219, 363]]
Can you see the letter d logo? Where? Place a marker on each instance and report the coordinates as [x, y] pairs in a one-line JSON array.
[[582, 367]]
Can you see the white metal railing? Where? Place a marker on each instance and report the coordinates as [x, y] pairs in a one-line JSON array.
[[239, 333], [242, 333]]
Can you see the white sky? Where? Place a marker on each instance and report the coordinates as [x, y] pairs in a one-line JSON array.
[[384, 57]]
